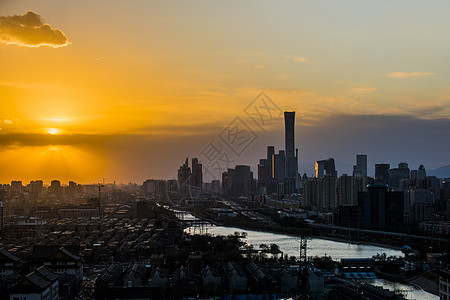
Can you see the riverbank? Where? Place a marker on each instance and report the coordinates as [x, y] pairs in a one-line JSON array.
[[290, 231], [342, 240], [427, 281], [321, 246]]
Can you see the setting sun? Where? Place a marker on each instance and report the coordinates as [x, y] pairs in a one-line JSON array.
[[53, 131]]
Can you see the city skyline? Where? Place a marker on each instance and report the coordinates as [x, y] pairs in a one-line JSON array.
[[90, 97]]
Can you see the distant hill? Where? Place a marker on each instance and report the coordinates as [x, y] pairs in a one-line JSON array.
[[442, 172]]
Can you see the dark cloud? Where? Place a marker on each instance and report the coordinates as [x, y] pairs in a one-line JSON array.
[[29, 30], [35, 140]]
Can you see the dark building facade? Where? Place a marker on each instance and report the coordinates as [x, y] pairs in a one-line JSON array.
[[382, 173], [396, 175], [325, 167], [190, 182], [381, 209]]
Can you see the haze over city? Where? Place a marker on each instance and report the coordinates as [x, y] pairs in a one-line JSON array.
[[197, 149], [125, 91]]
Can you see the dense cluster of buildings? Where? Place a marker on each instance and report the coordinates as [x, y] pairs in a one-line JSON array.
[[124, 222], [393, 199]]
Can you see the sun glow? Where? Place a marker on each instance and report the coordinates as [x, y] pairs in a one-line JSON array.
[[53, 131], [57, 120]]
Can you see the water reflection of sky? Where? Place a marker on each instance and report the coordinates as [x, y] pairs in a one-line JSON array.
[[319, 247]]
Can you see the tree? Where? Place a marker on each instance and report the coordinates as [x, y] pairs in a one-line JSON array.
[[274, 247], [264, 247]]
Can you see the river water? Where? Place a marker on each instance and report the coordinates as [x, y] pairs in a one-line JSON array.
[[319, 247]]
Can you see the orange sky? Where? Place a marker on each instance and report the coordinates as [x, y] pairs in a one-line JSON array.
[[98, 90]]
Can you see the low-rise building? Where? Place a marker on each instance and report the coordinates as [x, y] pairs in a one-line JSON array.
[[9, 263], [444, 277], [40, 284]]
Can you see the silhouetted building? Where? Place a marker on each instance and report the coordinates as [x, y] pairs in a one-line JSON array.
[[360, 172], [265, 171], [279, 166], [227, 181], [291, 152], [59, 259], [212, 281], [360, 169], [36, 188], [444, 277], [325, 167], [55, 188], [235, 278], [197, 176], [152, 187], [346, 190], [71, 190], [39, 284], [278, 173], [261, 281], [396, 175], [421, 172], [310, 193], [381, 209], [16, 188], [327, 192], [421, 205], [190, 182], [184, 175], [382, 173], [81, 211], [242, 180], [9, 263]]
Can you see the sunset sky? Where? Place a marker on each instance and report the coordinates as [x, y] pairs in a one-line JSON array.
[[126, 90]]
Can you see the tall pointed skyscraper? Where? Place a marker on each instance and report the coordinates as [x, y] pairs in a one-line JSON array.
[[291, 153]]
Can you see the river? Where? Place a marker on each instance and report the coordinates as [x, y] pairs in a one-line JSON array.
[[319, 247]]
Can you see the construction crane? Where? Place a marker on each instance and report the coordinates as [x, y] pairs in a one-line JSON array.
[[302, 267]]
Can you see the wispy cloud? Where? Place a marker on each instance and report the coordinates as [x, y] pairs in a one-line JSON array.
[[29, 30], [363, 90], [410, 74], [296, 58]]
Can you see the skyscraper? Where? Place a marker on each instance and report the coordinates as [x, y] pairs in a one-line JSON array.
[[184, 174], [398, 174], [242, 181], [265, 168], [382, 173], [197, 174], [279, 166], [190, 181], [360, 172], [291, 155], [325, 167], [421, 172], [361, 166]]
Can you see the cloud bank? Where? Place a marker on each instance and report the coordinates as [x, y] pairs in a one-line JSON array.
[[29, 30], [410, 74]]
